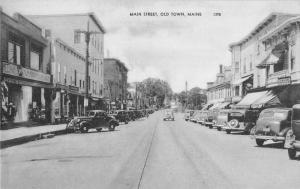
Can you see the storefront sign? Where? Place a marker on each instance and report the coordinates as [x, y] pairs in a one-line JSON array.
[[19, 71], [284, 81], [73, 88]]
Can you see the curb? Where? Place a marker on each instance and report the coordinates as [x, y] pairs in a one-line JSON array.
[[25, 139]]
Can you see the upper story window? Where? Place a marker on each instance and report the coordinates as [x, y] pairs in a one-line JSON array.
[[15, 50], [77, 36], [237, 67], [292, 58], [36, 57]]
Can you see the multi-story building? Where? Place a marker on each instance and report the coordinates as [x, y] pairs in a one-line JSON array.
[[26, 79], [220, 90], [265, 57], [68, 71], [115, 79], [71, 29]]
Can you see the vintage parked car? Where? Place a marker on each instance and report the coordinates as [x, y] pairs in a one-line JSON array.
[[293, 136], [194, 117], [241, 120], [209, 120], [96, 119], [272, 124], [203, 116], [188, 114], [169, 115], [222, 119], [122, 116]]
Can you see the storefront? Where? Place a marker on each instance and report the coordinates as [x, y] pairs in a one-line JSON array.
[[26, 93]]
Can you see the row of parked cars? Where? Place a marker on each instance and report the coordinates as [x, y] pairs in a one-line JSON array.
[[277, 124], [99, 119]]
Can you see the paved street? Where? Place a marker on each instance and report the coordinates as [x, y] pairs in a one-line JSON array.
[[146, 154]]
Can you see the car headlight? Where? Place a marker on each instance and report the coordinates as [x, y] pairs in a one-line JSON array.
[[234, 123], [78, 120]]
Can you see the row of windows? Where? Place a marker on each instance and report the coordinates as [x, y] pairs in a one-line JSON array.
[[95, 40], [68, 50]]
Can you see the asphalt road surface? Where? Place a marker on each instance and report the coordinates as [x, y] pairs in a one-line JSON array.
[[149, 154]]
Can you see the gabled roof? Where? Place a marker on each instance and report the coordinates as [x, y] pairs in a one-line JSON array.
[[259, 27]]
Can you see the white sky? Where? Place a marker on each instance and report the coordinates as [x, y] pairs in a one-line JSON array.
[[176, 49]]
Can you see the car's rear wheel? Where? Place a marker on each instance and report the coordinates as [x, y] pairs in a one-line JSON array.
[[99, 130], [84, 129], [219, 128], [111, 127], [292, 153], [210, 126], [228, 131], [260, 142]]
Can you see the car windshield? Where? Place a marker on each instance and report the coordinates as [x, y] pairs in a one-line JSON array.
[[92, 114], [296, 114], [280, 115]]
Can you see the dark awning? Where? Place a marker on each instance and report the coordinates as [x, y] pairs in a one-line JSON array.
[[251, 98], [269, 99]]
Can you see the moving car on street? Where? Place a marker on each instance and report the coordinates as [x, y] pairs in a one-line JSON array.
[[169, 115], [96, 119], [293, 136], [272, 124]]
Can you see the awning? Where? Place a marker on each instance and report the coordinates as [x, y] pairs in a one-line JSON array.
[[269, 60], [250, 98], [269, 99], [239, 81]]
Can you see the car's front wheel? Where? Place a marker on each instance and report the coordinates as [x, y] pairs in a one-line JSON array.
[[228, 131], [99, 130], [292, 153], [219, 128], [260, 142]]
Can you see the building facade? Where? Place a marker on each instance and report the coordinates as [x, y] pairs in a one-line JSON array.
[[115, 79], [248, 53], [70, 29], [265, 61], [26, 81], [220, 90]]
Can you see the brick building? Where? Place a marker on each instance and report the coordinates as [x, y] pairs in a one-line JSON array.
[[115, 79]]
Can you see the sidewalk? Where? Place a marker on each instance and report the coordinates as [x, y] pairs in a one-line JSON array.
[[25, 134]]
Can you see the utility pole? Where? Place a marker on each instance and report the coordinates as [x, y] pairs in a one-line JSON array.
[[87, 34]]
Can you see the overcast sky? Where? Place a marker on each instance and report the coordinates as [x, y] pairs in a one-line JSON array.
[[176, 49]]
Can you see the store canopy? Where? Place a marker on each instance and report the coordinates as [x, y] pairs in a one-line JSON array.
[[237, 82], [269, 60], [251, 98], [269, 99]]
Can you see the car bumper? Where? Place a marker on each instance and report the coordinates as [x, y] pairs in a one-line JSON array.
[[274, 138], [234, 128], [208, 123]]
